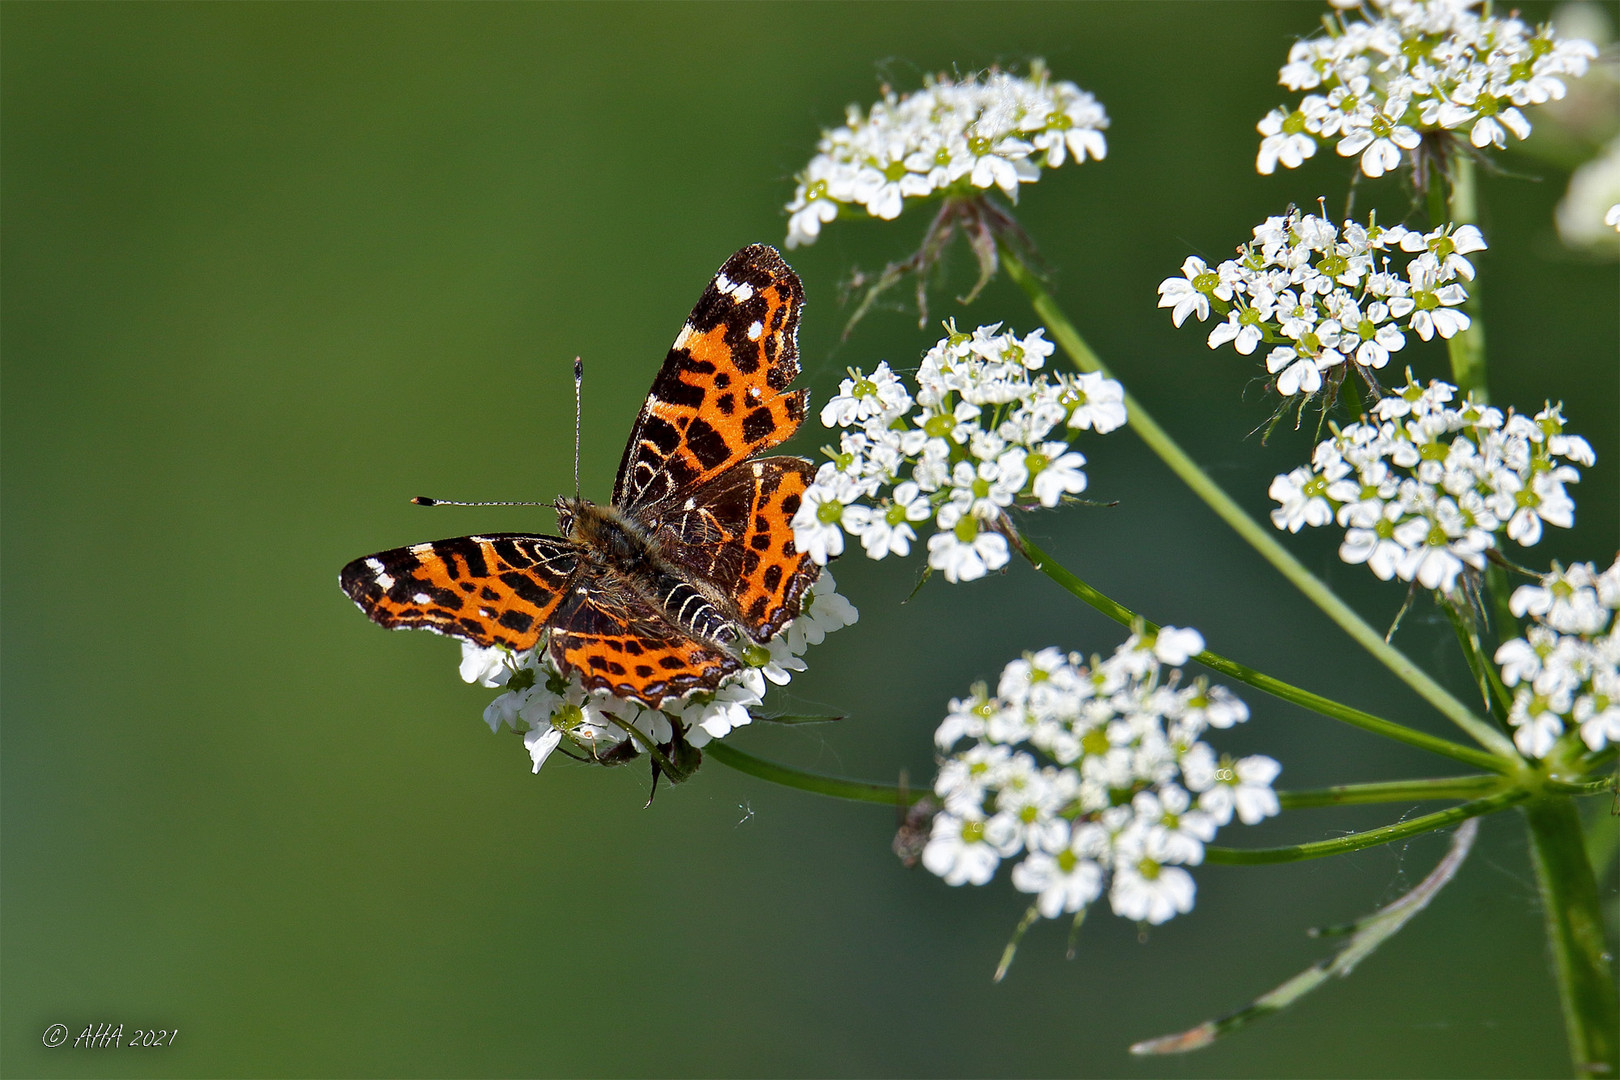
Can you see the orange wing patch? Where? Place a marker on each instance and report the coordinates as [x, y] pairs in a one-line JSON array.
[[773, 574], [490, 590], [616, 646], [722, 394]]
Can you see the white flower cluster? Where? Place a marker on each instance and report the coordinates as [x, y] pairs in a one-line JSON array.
[[983, 131], [1413, 67], [1328, 296], [979, 441], [1097, 776], [548, 707], [1423, 487], [1566, 669]]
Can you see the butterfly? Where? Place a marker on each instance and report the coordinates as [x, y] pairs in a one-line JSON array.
[[655, 594]]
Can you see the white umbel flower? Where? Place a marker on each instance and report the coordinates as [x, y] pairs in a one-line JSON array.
[[1087, 776], [991, 130]]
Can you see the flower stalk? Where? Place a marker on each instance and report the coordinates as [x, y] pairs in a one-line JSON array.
[[1582, 965]]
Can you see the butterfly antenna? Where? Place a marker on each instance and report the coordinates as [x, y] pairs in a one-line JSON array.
[[423, 500], [579, 377]]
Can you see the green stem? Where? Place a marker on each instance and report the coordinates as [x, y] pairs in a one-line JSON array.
[[1371, 838], [787, 776], [1574, 914], [1443, 787], [1466, 349], [1160, 442], [1276, 687]]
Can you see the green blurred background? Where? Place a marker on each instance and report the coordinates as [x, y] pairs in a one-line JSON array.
[[270, 270]]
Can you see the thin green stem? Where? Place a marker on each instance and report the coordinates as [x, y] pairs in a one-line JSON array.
[[787, 776], [1442, 787], [1466, 349], [1160, 442], [1574, 915], [1371, 838], [1276, 687]]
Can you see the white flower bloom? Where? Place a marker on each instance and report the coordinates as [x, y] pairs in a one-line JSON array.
[[1425, 488], [1409, 67], [990, 130], [965, 550], [975, 438], [1314, 289], [1565, 671], [1090, 772], [958, 852], [486, 667]]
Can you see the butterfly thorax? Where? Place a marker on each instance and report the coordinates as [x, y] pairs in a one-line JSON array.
[[623, 549]]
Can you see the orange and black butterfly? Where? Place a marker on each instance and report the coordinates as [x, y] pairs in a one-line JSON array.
[[649, 596]]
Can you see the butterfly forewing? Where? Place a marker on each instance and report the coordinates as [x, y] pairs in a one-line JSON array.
[[721, 396], [492, 590]]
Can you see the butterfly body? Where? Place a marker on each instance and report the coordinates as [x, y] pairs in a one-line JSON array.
[[648, 597]]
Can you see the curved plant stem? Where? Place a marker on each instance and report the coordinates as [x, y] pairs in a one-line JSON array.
[[1371, 838], [1276, 687], [1160, 442], [787, 776]]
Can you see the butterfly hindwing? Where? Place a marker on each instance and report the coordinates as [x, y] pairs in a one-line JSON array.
[[721, 395], [618, 642], [500, 589], [771, 574], [737, 534]]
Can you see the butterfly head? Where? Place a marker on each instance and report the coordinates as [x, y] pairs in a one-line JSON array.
[[569, 510]]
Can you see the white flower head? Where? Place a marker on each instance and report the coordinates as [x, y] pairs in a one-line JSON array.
[[1094, 778], [956, 135], [1377, 84]]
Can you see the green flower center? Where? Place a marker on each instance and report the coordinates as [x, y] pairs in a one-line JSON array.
[[1207, 282], [1067, 861], [1035, 462], [830, 512], [973, 831], [1095, 741], [895, 515], [939, 425], [1293, 123], [567, 717], [967, 530], [978, 145]]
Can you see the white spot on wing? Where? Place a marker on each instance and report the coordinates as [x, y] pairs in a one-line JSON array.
[[421, 598], [385, 580], [374, 564], [740, 291], [756, 329], [421, 549]]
